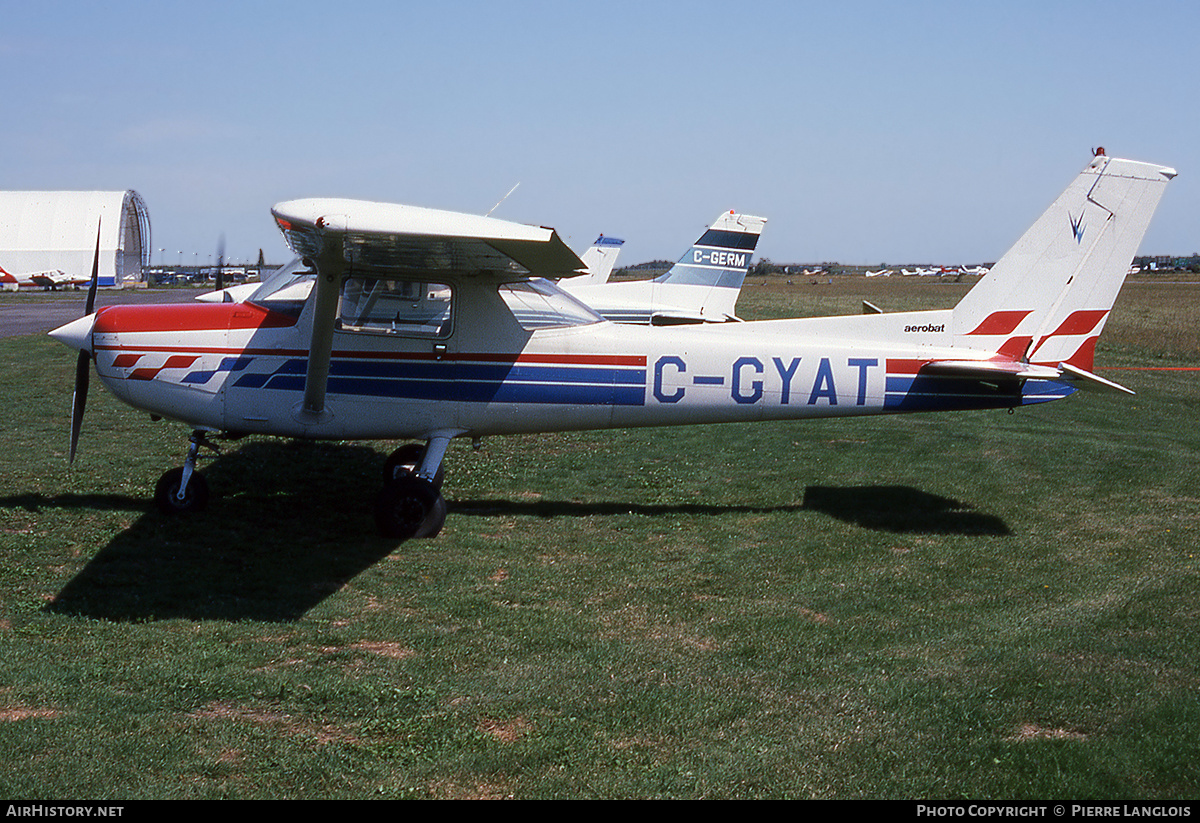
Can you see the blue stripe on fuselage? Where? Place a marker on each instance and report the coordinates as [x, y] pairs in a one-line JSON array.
[[466, 382]]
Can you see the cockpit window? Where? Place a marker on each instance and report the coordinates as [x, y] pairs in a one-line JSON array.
[[286, 290], [539, 304], [402, 307]]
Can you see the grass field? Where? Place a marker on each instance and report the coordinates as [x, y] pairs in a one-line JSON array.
[[971, 605]]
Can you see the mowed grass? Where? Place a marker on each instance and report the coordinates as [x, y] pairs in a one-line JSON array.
[[970, 605]]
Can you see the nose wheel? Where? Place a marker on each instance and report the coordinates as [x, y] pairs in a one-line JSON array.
[[183, 490]]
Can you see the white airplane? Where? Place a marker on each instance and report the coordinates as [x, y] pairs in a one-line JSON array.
[[50, 279], [703, 287], [413, 324], [880, 273]]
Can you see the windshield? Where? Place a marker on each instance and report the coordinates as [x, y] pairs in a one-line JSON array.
[[286, 290]]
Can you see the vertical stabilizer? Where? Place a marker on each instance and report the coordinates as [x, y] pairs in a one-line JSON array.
[[713, 270], [1046, 301], [702, 287], [600, 260]]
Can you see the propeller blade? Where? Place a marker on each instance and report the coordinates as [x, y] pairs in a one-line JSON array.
[[82, 366], [221, 263], [83, 371], [91, 298]]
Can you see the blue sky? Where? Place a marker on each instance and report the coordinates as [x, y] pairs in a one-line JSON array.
[[866, 132]]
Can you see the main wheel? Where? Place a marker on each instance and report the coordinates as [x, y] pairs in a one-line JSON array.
[[431, 526], [166, 493], [405, 460], [403, 505]]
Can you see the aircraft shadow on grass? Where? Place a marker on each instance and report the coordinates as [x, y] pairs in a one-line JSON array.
[[902, 509], [273, 552], [881, 508]]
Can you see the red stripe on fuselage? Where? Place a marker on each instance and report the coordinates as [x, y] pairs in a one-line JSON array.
[[187, 317], [904, 366]]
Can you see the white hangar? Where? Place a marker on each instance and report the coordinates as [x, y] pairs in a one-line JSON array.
[[42, 230]]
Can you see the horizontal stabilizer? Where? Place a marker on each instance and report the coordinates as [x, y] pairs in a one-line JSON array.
[[1087, 380], [678, 318], [999, 369], [991, 369]]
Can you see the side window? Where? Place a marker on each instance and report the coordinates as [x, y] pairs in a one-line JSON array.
[[539, 304], [402, 307]]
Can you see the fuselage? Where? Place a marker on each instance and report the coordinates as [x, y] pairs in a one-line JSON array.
[[240, 367]]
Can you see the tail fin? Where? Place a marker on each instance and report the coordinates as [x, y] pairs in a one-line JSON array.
[[714, 268], [702, 287], [600, 260], [1046, 301]]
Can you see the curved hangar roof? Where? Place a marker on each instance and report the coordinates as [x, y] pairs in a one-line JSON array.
[[42, 230]]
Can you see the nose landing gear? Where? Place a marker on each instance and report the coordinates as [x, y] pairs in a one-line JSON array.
[[182, 490]]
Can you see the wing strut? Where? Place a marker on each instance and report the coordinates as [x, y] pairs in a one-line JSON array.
[[331, 265]]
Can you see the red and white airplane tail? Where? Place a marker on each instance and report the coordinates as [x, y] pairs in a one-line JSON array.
[[1046, 301]]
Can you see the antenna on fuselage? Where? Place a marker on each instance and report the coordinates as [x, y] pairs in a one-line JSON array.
[[502, 199]]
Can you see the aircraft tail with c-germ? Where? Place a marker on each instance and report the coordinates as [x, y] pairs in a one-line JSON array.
[[702, 287]]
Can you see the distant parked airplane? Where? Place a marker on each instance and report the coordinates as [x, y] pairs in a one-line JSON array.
[[50, 279]]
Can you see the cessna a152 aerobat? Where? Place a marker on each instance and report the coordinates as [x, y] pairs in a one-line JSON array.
[[404, 323]]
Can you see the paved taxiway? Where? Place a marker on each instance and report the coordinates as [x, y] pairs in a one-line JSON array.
[[38, 313]]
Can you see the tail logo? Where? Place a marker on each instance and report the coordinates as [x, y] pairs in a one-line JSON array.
[[1077, 227]]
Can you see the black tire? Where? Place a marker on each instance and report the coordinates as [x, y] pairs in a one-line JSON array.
[[403, 505], [431, 526], [405, 460], [166, 493]]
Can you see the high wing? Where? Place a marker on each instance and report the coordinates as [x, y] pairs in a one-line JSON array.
[[411, 238], [340, 235]]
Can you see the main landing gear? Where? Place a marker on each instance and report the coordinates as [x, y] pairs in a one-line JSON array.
[[410, 504]]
